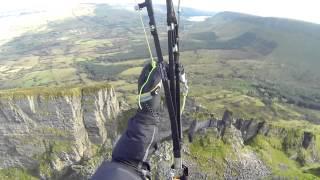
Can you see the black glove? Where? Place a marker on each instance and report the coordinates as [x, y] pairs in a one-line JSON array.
[[138, 141], [149, 85]]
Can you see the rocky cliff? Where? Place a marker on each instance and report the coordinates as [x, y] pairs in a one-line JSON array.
[[255, 149], [45, 130], [65, 133]]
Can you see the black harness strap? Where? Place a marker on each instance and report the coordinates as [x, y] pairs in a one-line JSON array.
[[170, 80]]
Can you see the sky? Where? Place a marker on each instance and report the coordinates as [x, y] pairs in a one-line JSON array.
[[306, 10]]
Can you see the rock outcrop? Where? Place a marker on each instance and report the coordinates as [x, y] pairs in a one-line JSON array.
[[298, 144], [66, 133], [249, 128], [238, 164], [49, 129]]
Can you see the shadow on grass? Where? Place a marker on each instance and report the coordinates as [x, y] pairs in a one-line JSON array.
[[313, 171]]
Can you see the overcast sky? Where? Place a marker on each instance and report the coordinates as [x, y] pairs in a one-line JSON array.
[[307, 10]]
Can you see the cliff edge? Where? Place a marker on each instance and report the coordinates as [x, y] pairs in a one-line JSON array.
[[45, 130]]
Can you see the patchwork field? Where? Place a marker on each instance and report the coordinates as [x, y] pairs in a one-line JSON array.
[[263, 69]]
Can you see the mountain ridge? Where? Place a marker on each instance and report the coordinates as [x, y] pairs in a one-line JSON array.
[[247, 66], [237, 15]]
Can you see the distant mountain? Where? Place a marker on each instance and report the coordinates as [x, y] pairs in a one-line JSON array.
[[18, 13], [288, 48], [188, 12], [185, 11], [295, 42], [283, 53]]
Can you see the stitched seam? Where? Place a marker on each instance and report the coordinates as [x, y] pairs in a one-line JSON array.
[[147, 151]]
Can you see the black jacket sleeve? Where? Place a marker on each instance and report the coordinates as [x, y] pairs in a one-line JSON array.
[[131, 154], [138, 141]]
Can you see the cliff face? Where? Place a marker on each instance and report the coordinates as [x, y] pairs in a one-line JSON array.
[[66, 133], [60, 126], [255, 149]]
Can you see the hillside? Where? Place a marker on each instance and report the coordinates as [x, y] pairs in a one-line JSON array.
[[65, 133], [262, 69], [78, 50], [282, 53]]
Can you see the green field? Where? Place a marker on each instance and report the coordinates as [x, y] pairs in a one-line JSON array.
[[259, 68]]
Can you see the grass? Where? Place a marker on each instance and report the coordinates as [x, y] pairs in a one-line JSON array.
[[318, 141], [301, 126], [101, 71], [61, 146], [218, 94], [44, 166], [135, 62], [313, 169], [45, 159], [51, 76], [95, 43], [281, 165], [287, 122], [15, 174], [48, 92], [298, 124], [283, 142], [131, 72], [126, 91], [218, 100], [219, 79], [210, 153]]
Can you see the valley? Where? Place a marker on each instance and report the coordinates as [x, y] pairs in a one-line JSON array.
[[261, 69]]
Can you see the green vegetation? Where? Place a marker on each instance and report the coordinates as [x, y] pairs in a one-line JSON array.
[[61, 146], [234, 51], [271, 152], [132, 72], [210, 153], [100, 153], [46, 159], [313, 169], [290, 67], [54, 131], [95, 43], [44, 165], [52, 76], [16, 174], [260, 68], [49, 92], [101, 71], [282, 149]]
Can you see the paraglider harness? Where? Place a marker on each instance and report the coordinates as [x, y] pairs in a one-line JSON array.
[[172, 75]]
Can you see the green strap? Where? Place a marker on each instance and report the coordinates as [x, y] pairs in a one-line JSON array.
[[154, 66]]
